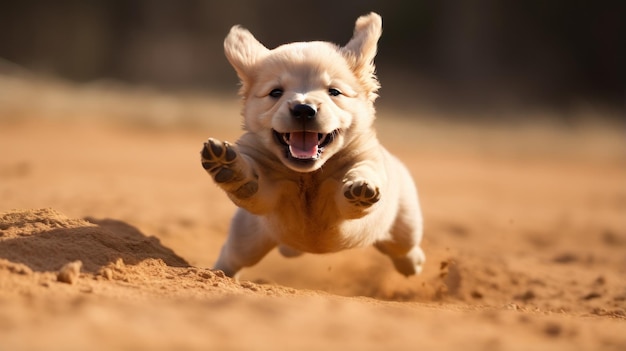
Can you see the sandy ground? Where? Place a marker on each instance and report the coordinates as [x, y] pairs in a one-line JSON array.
[[525, 235]]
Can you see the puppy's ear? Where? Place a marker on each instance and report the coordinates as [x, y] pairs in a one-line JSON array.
[[361, 49], [243, 51]]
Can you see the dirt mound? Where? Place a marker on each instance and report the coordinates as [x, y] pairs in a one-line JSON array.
[[44, 243], [45, 240]]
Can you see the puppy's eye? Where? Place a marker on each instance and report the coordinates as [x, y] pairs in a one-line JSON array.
[[334, 92], [276, 93]]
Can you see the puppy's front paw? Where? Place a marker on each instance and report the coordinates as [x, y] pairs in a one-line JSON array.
[[229, 169], [361, 193], [218, 159]]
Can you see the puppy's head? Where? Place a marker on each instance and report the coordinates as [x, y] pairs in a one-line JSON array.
[[307, 101]]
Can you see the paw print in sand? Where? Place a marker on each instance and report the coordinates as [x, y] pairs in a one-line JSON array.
[[361, 193], [218, 159]]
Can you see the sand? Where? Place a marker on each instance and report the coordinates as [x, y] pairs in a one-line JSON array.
[[109, 227]]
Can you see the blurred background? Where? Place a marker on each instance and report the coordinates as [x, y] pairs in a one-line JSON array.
[[454, 56]]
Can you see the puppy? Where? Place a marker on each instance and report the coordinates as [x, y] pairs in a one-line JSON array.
[[308, 174]]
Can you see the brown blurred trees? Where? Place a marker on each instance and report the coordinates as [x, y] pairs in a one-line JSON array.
[[542, 51]]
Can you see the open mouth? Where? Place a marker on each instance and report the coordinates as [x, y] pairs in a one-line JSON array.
[[304, 145]]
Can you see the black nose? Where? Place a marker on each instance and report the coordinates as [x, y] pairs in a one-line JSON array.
[[301, 111]]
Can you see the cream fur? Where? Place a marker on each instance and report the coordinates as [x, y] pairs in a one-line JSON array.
[[353, 193]]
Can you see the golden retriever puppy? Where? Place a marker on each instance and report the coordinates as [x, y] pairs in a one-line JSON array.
[[309, 174]]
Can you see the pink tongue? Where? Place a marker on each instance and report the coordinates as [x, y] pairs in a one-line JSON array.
[[303, 145]]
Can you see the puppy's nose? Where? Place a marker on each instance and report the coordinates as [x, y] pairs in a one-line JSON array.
[[301, 111]]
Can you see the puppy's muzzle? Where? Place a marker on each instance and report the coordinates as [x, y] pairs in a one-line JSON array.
[[304, 143]]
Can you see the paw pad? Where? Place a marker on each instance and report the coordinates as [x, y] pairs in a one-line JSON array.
[[217, 157], [361, 193]]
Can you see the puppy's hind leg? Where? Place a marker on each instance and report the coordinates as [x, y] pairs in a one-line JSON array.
[[406, 262], [405, 236], [246, 245]]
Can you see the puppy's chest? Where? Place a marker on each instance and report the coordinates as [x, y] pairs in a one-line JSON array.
[[307, 218], [307, 206], [308, 200]]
